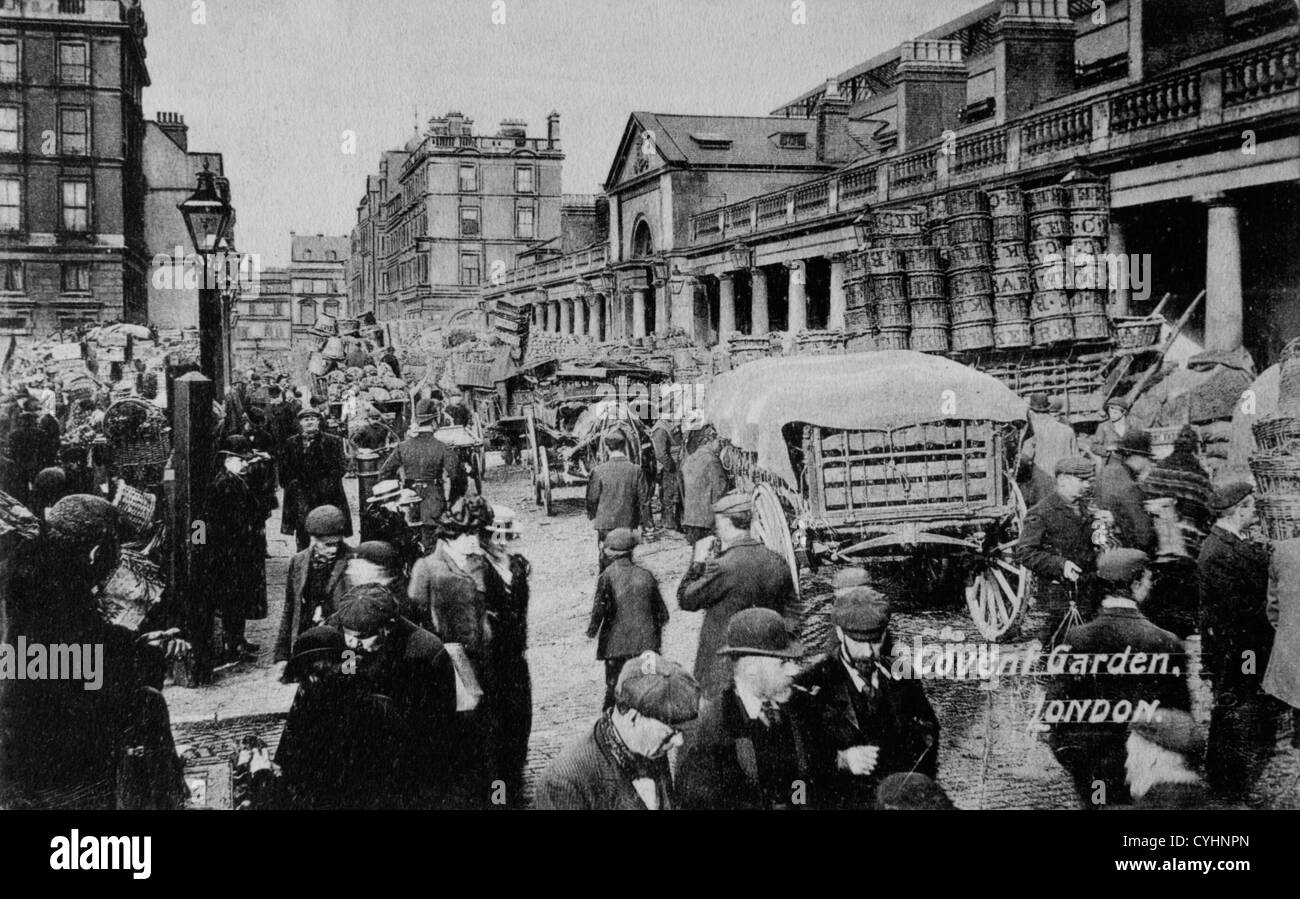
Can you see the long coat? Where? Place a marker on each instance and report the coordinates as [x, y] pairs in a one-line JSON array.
[[744, 575], [899, 720], [312, 475], [1282, 679], [704, 482], [293, 616], [424, 461], [628, 615], [236, 519], [616, 495], [1118, 492], [1232, 578]]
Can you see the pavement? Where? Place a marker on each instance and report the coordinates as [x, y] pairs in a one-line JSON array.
[[989, 757]]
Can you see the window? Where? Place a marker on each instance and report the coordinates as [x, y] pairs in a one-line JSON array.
[[10, 204], [524, 222], [469, 221], [424, 269], [76, 206], [792, 140], [468, 178], [332, 308], [8, 129], [523, 179], [331, 256], [12, 323], [74, 65], [8, 60], [469, 269], [76, 277], [307, 312], [74, 132], [11, 276]]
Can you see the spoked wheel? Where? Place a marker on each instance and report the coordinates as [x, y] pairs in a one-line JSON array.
[[997, 586], [773, 530]]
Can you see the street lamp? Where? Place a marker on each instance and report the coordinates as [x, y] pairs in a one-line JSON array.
[[207, 215], [742, 257], [659, 268], [864, 228]]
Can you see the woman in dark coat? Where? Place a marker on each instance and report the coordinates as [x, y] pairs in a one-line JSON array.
[[236, 521]]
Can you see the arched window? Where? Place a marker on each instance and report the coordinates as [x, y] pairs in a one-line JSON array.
[[332, 256], [306, 254], [307, 312], [643, 243]]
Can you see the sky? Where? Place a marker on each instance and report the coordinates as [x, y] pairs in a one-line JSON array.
[[276, 85]]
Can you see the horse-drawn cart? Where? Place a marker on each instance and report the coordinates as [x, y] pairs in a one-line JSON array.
[[882, 454]]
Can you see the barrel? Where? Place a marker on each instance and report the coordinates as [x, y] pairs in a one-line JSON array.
[[1009, 335], [1056, 225], [1088, 302], [929, 313], [1089, 223], [884, 261], [929, 340], [921, 258], [855, 266], [1088, 195], [893, 315], [965, 255], [1049, 304], [1011, 281], [888, 288], [1011, 254], [968, 310], [860, 320], [1087, 246], [1011, 308], [1041, 251], [893, 339], [860, 342], [973, 336], [1006, 201], [1049, 276], [937, 208], [924, 285], [1009, 228], [974, 227], [894, 222], [936, 233], [1053, 330], [970, 281], [1087, 272], [902, 241], [1054, 198], [966, 202], [1092, 326]]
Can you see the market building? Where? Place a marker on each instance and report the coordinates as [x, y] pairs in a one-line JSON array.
[[72, 188]]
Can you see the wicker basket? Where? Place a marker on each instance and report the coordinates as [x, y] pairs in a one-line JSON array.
[[135, 510], [1136, 332], [1280, 515], [1276, 473], [137, 432], [1277, 432]]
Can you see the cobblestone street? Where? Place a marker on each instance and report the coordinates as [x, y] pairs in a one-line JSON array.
[[989, 758]]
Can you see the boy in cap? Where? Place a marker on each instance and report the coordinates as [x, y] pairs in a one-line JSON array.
[[869, 724], [316, 581], [1093, 751], [754, 747], [1056, 545], [1112, 430], [622, 763], [1232, 580], [743, 574], [311, 471], [629, 614]]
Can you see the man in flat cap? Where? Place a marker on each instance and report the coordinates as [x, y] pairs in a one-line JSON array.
[[616, 494], [430, 468], [1117, 491], [704, 482], [744, 574], [1142, 664], [1056, 546], [754, 747], [628, 614], [409, 671], [311, 471], [1160, 763], [622, 763], [315, 583], [1236, 641], [869, 723], [1109, 433]]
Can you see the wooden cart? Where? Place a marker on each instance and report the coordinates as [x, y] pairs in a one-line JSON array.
[[878, 455]]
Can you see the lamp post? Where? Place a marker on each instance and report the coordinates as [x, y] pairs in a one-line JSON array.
[[207, 215]]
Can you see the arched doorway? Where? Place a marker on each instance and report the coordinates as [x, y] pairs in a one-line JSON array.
[[643, 242]]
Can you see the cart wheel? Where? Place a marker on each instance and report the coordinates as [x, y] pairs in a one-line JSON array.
[[773, 530], [997, 587]]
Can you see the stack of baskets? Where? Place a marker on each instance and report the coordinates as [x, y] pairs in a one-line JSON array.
[[1011, 284], [1049, 235], [927, 299], [1276, 462], [139, 439], [970, 270], [1089, 203], [883, 285]]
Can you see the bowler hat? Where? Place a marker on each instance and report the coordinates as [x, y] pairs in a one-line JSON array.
[[1121, 566], [1229, 495], [1077, 466], [318, 643], [759, 632], [236, 445], [1135, 442], [326, 521], [1038, 402], [734, 504], [658, 688], [862, 613], [620, 540], [1171, 729]]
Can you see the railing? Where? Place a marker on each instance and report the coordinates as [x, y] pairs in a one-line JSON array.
[[812, 200], [856, 186], [1264, 73], [1056, 131], [915, 169], [771, 209], [738, 219], [1158, 103], [981, 151], [576, 263]]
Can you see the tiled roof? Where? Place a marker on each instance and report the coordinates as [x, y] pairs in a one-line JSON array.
[[730, 140]]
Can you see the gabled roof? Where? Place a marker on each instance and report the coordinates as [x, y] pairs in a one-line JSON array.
[[708, 140]]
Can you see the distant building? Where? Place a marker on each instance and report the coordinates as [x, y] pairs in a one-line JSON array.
[[263, 328], [317, 285], [365, 261], [72, 198]]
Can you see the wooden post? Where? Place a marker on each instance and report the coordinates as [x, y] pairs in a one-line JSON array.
[[193, 457]]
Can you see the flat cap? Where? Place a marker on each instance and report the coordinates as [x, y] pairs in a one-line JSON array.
[[1119, 401], [1171, 729], [309, 413], [620, 540], [82, 519], [1135, 442], [850, 577], [759, 632], [862, 613], [318, 643], [734, 504], [426, 410], [326, 521], [365, 609], [378, 552], [1121, 566], [1077, 466], [911, 791], [659, 689], [1228, 495]]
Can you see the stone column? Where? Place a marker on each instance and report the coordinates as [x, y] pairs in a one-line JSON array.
[[797, 307], [566, 317], [759, 323], [1223, 305], [580, 316], [663, 308], [1121, 293], [598, 318], [726, 306], [547, 326], [638, 312], [557, 323], [839, 300], [683, 304]]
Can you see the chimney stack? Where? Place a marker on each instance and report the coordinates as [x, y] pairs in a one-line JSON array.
[[931, 90], [553, 131], [173, 125], [833, 141]]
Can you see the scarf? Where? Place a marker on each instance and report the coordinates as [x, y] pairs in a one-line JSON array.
[[633, 766]]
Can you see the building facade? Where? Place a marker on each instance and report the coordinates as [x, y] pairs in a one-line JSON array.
[[262, 330], [72, 194], [317, 281]]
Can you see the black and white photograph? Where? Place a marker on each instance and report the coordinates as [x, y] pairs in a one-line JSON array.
[[679, 405]]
